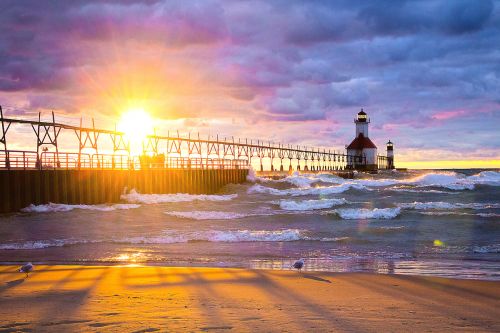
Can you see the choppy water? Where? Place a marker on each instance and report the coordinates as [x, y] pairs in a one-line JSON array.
[[443, 223]]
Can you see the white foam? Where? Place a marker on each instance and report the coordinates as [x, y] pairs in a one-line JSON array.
[[221, 215], [256, 236], [494, 248], [300, 181], [257, 188], [447, 205], [486, 178], [406, 189], [41, 244], [362, 213], [310, 204], [303, 183], [400, 227], [452, 212], [449, 180], [376, 182], [28, 245], [135, 197], [177, 236], [454, 180], [488, 215], [230, 236], [208, 215], [444, 213], [307, 180], [334, 239], [252, 176], [52, 207]]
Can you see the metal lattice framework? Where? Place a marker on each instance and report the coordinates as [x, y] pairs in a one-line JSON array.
[[165, 151], [309, 158]]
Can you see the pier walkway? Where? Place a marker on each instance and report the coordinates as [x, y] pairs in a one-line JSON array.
[[89, 174]]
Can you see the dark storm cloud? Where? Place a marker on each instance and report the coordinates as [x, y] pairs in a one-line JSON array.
[[39, 41]]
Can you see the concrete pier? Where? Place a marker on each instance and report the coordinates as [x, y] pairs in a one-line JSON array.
[[20, 188]]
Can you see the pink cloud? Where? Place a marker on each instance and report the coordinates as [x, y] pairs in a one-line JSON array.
[[444, 115]]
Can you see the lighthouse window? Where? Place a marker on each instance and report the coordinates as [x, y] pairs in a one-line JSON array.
[[362, 117]]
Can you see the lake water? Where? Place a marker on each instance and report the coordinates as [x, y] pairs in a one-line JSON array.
[[441, 223]]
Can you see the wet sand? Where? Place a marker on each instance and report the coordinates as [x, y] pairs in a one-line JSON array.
[[150, 299]]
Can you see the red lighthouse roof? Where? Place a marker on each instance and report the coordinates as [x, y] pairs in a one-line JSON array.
[[361, 142]]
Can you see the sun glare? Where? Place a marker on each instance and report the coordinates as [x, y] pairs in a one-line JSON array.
[[136, 124]]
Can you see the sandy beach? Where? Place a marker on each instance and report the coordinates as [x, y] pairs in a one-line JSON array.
[[149, 299]]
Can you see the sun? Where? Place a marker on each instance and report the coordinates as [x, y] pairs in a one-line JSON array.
[[136, 124]]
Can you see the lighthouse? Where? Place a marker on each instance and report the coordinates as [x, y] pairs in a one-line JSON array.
[[390, 155], [362, 145]]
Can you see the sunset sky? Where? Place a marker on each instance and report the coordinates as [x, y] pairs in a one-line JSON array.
[[426, 72]]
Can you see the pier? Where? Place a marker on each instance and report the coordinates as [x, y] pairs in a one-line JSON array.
[[168, 164]]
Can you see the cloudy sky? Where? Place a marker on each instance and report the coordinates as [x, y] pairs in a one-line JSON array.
[[426, 72]]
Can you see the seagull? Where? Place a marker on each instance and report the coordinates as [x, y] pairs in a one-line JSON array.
[[26, 268], [298, 264]]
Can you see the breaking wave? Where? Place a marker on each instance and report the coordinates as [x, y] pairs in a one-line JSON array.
[[487, 178], [257, 188], [449, 180], [306, 180], [488, 215], [171, 237], [454, 180], [362, 213], [413, 190], [450, 212], [231, 236], [135, 197], [493, 248], [303, 183], [310, 204], [209, 215], [42, 244], [447, 205], [52, 207]]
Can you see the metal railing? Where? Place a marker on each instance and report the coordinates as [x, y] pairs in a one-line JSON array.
[[213, 152], [205, 163], [110, 161], [384, 162], [15, 159]]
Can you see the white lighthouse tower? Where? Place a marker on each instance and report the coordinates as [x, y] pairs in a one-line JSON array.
[[362, 122], [362, 145], [390, 155]]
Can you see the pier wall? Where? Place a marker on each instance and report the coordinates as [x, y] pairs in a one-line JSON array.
[[20, 188]]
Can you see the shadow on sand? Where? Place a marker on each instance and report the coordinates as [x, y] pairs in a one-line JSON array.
[[316, 278], [13, 283]]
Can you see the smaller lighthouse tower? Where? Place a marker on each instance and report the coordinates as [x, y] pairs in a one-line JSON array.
[[390, 155]]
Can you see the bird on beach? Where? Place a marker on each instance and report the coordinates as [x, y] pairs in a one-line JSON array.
[[27, 268], [298, 264]]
